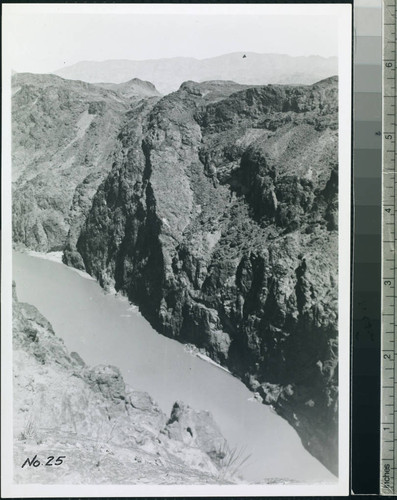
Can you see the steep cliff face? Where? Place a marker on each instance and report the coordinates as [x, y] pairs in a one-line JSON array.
[[64, 135], [105, 431], [219, 219]]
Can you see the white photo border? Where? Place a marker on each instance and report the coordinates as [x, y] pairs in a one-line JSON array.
[[343, 12]]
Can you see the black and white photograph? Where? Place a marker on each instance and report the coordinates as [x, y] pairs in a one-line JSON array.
[[176, 249]]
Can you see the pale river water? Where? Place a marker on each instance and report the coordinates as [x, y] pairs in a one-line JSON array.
[[105, 329]]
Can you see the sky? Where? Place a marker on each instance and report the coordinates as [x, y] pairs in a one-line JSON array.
[[46, 37]]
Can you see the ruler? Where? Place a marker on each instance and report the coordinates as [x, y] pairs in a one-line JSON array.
[[388, 431]]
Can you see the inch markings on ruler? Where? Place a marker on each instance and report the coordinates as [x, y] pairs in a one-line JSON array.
[[388, 430]]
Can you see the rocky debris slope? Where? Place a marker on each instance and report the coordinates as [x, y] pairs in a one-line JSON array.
[[248, 68], [64, 135], [105, 431], [219, 219]]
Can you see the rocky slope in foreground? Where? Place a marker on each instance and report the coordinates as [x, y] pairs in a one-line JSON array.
[[219, 219], [105, 431], [64, 136]]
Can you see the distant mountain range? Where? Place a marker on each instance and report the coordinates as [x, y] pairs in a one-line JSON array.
[[168, 74]]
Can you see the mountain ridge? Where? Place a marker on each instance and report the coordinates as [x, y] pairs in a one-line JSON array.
[[167, 74], [237, 53]]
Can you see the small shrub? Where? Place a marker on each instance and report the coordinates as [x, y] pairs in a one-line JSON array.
[[29, 432], [231, 460]]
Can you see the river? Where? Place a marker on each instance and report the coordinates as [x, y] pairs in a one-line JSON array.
[[106, 329]]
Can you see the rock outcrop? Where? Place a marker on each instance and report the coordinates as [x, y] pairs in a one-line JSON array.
[[219, 219], [105, 431], [190, 426]]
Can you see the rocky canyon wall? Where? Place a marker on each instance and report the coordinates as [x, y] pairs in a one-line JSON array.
[[219, 219]]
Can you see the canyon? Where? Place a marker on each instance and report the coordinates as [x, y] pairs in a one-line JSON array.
[[214, 209]]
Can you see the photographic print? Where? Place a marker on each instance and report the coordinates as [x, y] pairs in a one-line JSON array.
[[176, 245]]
